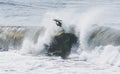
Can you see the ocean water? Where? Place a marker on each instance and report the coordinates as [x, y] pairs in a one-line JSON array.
[[26, 25]]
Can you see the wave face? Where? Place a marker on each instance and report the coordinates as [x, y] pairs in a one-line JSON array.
[[28, 25], [102, 36], [11, 37]]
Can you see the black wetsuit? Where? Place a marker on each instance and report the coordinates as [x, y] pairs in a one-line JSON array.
[[58, 23]]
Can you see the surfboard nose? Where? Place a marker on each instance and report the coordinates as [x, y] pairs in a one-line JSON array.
[[57, 20]]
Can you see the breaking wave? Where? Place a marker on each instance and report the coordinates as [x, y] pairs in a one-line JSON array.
[[99, 44]]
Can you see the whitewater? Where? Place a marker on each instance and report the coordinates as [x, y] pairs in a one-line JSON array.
[[26, 26]]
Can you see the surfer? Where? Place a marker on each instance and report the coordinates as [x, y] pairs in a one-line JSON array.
[[58, 22]]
